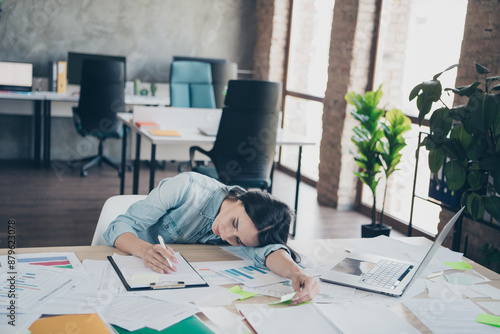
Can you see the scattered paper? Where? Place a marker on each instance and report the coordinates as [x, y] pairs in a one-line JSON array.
[[66, 260], [365, 318], [467, 277], [442, 291], [291, 320], [221, 298], [487, 291], [454, 316], [284, 298], [220, 316], [493, 307]]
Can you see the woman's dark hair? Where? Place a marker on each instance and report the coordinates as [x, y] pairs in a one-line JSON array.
[[271, 217]]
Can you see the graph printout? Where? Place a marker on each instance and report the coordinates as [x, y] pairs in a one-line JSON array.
[[58, 260], [252, 276]]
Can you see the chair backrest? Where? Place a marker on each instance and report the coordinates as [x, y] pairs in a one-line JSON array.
[[253, 95], [222, 73], [245, 146], [191, 85], [101, 97], [112, 208]]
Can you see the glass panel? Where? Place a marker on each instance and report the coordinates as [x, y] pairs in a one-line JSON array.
[[309, 46], [303, 117], [415, 44]]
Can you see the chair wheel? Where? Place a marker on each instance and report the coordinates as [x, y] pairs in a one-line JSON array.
[[83, 173]]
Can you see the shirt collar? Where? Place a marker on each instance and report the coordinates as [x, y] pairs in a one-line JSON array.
[[212, 207]]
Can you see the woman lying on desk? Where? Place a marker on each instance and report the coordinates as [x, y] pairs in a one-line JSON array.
[[193, 208]]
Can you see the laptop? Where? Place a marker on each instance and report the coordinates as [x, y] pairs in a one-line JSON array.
[[383, 274]]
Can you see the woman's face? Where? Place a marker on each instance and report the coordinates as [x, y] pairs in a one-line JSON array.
[[233, 225]]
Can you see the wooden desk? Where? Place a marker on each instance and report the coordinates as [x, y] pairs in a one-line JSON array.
[[319, 249], [187, 121]]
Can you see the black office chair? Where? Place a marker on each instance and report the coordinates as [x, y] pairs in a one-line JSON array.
[[101, 97], [245, 146]]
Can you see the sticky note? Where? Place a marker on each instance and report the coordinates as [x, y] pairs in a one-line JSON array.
[[243, 294], [159, 132], [70, 323], [458, 265], [488, 319]]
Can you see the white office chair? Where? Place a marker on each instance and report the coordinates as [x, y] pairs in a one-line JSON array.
[[112, 208]]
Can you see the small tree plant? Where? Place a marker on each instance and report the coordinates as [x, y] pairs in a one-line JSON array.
[[379, 142]]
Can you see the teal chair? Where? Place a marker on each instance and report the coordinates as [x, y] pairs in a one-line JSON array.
[[191, 85]]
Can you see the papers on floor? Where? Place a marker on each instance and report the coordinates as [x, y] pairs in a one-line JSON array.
[[453, 316]]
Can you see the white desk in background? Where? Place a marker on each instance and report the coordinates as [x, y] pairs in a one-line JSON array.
[[43, 113], [187, 121]]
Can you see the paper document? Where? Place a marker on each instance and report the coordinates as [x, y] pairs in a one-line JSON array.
[[137, 275], [451, 316], [294, 319], [67, 260]]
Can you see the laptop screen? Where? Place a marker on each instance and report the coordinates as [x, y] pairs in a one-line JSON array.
[[16, 76]]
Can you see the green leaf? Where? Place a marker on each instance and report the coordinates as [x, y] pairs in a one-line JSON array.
[[455, 175], [436, 76], [458, 113], [495, 174], [467, 90], [495, 88], [414, 92], [440, 122], [492, 206], [477, 148], [475, 206], [476, 179], [458, 132], [490, 162], [491, 111], [474, 119], [481, 69], [436, 161]]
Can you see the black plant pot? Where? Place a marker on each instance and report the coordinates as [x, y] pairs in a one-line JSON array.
[[371, 231]]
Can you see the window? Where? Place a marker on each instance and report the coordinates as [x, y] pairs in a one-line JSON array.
[[307, 74], [414, 44]]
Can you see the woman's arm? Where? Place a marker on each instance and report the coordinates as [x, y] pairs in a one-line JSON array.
[[153, 256], [282, 264]]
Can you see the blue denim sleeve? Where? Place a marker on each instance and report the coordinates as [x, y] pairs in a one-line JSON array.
[[259, 254], [141, 215]]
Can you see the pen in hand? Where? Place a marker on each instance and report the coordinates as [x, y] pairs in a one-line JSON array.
[[162, 243]]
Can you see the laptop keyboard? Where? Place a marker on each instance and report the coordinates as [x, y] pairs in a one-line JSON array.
[[386, 274]]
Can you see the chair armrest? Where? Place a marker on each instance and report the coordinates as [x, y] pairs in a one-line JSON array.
[[192, 149]]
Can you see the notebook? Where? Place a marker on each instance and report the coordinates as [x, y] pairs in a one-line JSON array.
[[383, 274]]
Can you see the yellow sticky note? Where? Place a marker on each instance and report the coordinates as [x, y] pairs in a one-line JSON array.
[[458, 265], [159, 132], [488, 319], [244, 294]]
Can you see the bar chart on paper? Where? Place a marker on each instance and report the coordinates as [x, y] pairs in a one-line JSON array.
[[66, 260], [252, 276]]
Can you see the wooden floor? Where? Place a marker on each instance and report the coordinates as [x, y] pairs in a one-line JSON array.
[[57, 207]]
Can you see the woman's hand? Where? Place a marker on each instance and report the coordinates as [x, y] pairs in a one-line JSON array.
[[306, 286], [155, 257]]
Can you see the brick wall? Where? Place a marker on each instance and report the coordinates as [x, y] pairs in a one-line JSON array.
[[348, 70], [270, 46]]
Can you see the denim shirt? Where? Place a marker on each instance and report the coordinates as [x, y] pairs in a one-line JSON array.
[[181, 209]]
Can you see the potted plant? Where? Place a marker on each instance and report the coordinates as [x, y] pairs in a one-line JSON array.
[[379, 143], [465, 140]]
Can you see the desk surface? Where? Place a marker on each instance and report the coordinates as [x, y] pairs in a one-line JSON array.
[[193, 136], [313, 248]]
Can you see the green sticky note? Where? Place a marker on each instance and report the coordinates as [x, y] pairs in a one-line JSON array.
[[243, 294], [284, 298], [488, 319], [458, 265]]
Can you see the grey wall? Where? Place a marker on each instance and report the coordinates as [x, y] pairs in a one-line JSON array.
[[147, 32]]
